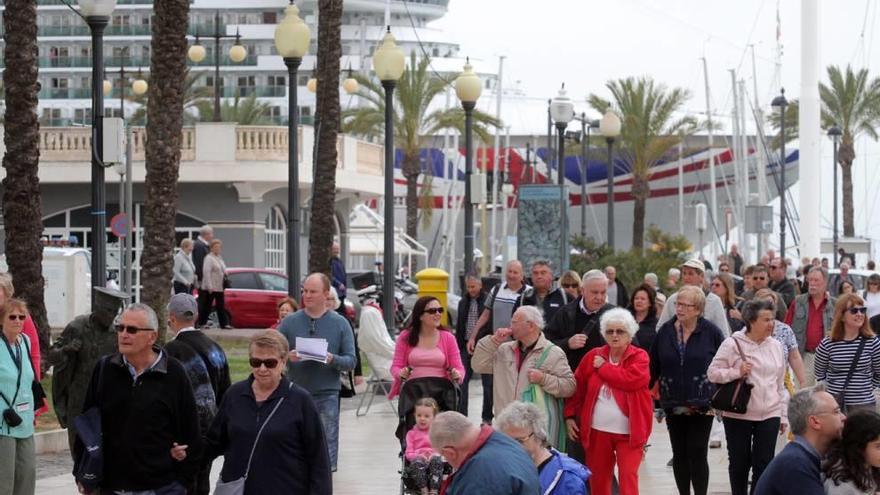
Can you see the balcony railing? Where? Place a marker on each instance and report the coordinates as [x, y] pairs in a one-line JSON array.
[[66, 62], [224, 61], [64, 93]]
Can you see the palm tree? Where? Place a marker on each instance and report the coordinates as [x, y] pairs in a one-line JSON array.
[[165, 114], [851, 100], [21, 187], [248, 111], [412, 121], [192, 95], [328, 114], [650, 129]]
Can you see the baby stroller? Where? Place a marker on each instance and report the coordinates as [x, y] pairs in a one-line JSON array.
[[447, 395]]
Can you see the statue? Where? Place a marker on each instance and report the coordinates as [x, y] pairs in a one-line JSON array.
[[74, 354]]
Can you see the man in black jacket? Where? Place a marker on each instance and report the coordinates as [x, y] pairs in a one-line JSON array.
[[780, 283], [201, 248], [150, 426], [543, 295], [206, 365], [470, 307]]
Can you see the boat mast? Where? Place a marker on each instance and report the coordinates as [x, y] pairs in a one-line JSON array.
[[496, 246], [744, 161], [738, 205], [713, 198], [809, 131], [760, 163]]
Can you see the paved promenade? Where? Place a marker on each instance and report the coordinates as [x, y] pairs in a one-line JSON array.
[[368, 461]]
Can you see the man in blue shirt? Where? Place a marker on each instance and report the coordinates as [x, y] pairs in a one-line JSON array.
[[320, 378], [816, 421]]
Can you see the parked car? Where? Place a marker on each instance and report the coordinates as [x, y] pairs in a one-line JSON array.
[[252, 297]]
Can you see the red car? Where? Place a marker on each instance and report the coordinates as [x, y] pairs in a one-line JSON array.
[[252, 298]]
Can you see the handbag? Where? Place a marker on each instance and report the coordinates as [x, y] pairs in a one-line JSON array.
[[36, 387], [550, 405], [236, 487], [733, 396], [88, 467], [839, 397]]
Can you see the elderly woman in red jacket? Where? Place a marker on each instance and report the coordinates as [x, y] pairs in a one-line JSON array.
[[611, 410]]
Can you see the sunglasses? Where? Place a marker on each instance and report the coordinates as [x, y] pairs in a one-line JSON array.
[[569, 286], [613, 331], [17, 317], [858, 310], [434, 311], [131, 329], [270, 363]]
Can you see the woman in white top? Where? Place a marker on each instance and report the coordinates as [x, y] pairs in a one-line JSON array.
[[872, 295], [184, 268], [213, 276]]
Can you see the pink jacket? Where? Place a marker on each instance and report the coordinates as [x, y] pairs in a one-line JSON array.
[[418, 443], [768, 399], [446, 343]]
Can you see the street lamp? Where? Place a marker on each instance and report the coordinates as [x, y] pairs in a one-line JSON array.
[[780, 103], [609, 126], [562, 112], [388, 63], [97, 16], [292, 38], [835, 134], [237, 53], [468, 88]]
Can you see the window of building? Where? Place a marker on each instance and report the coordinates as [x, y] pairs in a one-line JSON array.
[[60, 82], [276, 80], [122, 20], [276, 240], [270, 18]]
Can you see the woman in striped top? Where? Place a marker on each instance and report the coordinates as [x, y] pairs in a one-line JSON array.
[[836, 355]]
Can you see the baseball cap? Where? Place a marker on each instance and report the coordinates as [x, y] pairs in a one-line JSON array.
[[181, 304], [695, 264]]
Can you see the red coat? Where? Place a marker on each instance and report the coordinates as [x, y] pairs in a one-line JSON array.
[[629, 385]]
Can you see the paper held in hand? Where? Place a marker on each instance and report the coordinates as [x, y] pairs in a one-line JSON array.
[[311, 349]]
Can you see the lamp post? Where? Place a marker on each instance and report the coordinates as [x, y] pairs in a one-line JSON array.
[[468, 88], [292, 38], [835, 134], [388, 63], [237, 53], [138, 87], [562, 112], [780, 103], [97, 16], [609, 126]]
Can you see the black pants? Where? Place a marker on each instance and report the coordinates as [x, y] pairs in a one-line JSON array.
[[689, 436], [203, 480], [750, 445], [213, 300], [488, 389], [468, 374], [180, 288]]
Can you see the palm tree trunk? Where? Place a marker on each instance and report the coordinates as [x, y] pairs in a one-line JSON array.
[[21, 187], [847, 155], [640, 191], [327, 110], [411, 172], [165, 114]]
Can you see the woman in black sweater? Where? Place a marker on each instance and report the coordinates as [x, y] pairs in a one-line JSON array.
[[642, 305]]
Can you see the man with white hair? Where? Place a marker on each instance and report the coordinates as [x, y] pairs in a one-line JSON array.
[[529, 358], [651, 279], [692, 274], [835, 280], [485, 461], [672, 278]]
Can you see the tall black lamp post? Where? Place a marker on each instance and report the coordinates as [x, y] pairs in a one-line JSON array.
[[237, 53], [609, 126], [468, 88], [835, 134], [562, 112], [780, 103], [97, 16], [292, 38], [389, 63]]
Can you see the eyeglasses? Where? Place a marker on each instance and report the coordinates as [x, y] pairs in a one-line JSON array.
[[858, 310], [569, 286], [119, 327], [434, 311], [759, 278], [312, 326], [270, 363], [524, 439], [17, 317], [836, 411], [615, 331], [684, 305]]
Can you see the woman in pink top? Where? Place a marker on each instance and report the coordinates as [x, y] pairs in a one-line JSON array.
[[753, 353], [426, 349]]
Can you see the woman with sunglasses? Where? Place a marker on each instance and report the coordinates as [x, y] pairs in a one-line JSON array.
[[848, 360], [611, 410], [290, 455], [871, 294], [426, 348], [570, 282], [17, 462]]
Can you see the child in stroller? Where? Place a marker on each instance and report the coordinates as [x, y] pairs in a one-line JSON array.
[[420, 400], [425, 465]]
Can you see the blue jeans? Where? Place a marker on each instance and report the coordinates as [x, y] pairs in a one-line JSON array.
[[328, 410]]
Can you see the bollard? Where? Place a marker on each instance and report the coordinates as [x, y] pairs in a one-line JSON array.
[[435, 282]]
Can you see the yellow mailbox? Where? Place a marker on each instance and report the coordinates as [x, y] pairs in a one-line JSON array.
[[435, 282]]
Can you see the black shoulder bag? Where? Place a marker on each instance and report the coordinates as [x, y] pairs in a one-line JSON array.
[[88, 467], [733, 396], [840, 397]]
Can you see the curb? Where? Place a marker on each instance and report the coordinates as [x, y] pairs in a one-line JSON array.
[[51, 442]]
